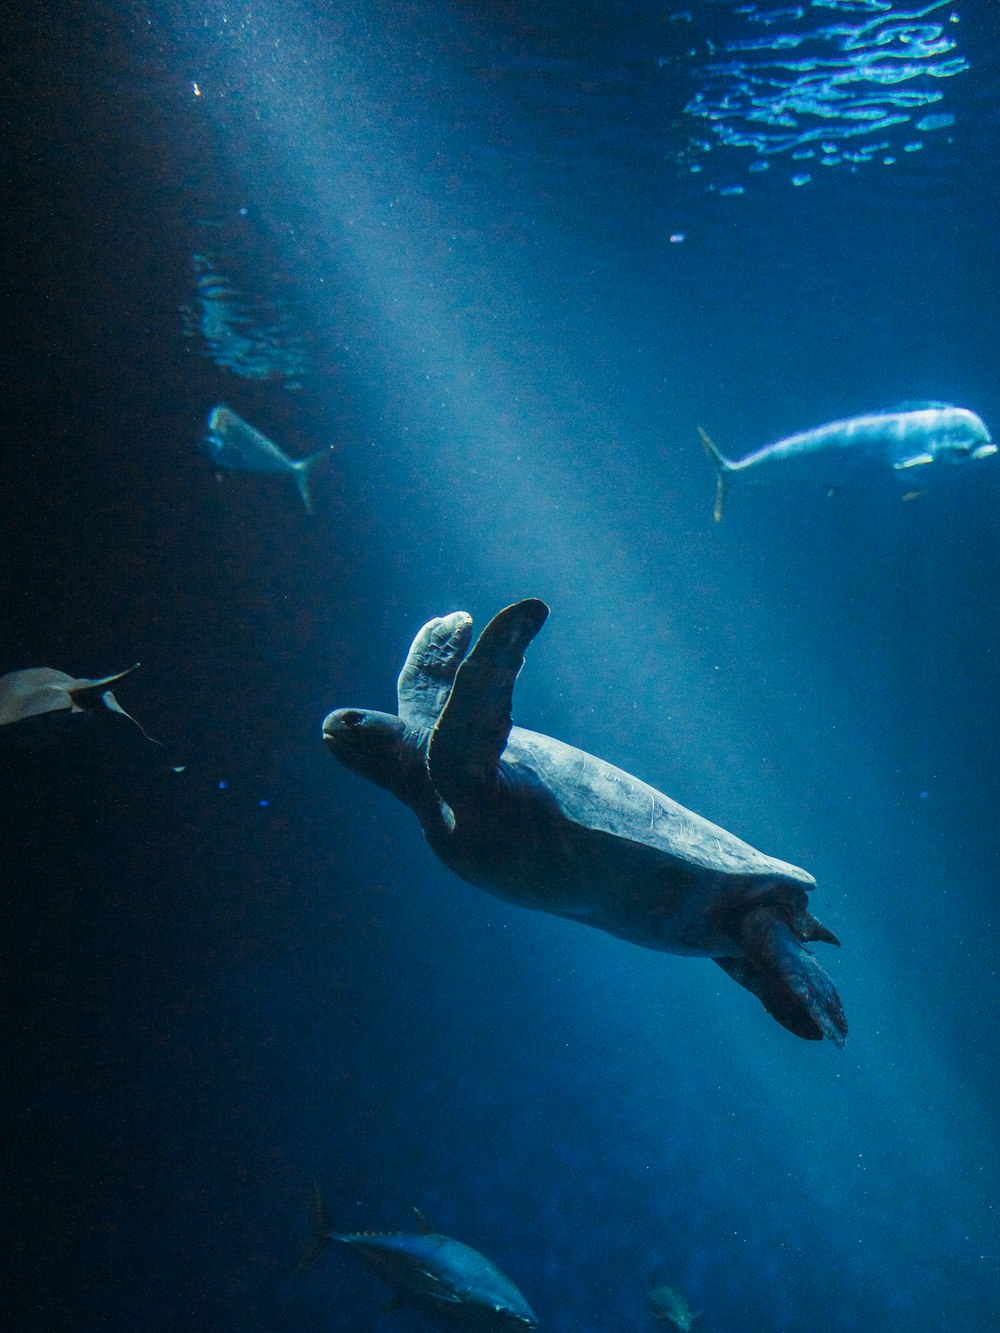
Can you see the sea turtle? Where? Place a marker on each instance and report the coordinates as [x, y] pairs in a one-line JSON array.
[[537, 822]]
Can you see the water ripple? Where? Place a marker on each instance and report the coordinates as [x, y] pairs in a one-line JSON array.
[[789, 84], [240, 331]]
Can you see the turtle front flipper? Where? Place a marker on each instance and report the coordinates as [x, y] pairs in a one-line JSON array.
[[786, 978], [430, 666], [471, 733]]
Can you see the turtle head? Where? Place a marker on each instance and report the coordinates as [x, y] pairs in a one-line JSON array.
[[382, 748]]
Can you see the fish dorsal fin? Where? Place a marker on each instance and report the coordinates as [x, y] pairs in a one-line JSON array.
[[429, 670], [423, 1226], [471, 733], [920, 405]]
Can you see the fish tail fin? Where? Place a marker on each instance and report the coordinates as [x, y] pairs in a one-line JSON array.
[[304, 470], [322, 1231], [722, 466]]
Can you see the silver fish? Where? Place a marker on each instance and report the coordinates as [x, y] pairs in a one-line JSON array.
[[234, 444], [455, 1285], [909, 436]]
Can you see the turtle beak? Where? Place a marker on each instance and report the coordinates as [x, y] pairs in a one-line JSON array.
[[344, 734], [369, 743], [342, 722]]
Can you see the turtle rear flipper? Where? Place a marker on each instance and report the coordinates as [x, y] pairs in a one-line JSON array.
[[471, 733], [787, 979], [430, 666]]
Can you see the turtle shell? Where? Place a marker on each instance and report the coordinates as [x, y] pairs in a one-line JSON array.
[[596, 795]]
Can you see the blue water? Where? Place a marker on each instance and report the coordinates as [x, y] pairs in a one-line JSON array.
[[463, 244]]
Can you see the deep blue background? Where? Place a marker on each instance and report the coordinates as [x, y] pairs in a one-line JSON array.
[[208, 1002]]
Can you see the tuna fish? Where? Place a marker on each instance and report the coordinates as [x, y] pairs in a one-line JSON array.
[[454, 1285], [909, 436]]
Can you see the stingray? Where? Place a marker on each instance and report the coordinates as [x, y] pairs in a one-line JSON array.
[[40, 690]]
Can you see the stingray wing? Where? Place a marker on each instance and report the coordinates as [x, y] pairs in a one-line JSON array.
[[31, 692]]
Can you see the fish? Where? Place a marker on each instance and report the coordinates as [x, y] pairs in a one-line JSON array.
[[909, 436], [668, 1307], [234, 444], [38, 690], [455, 1285]]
